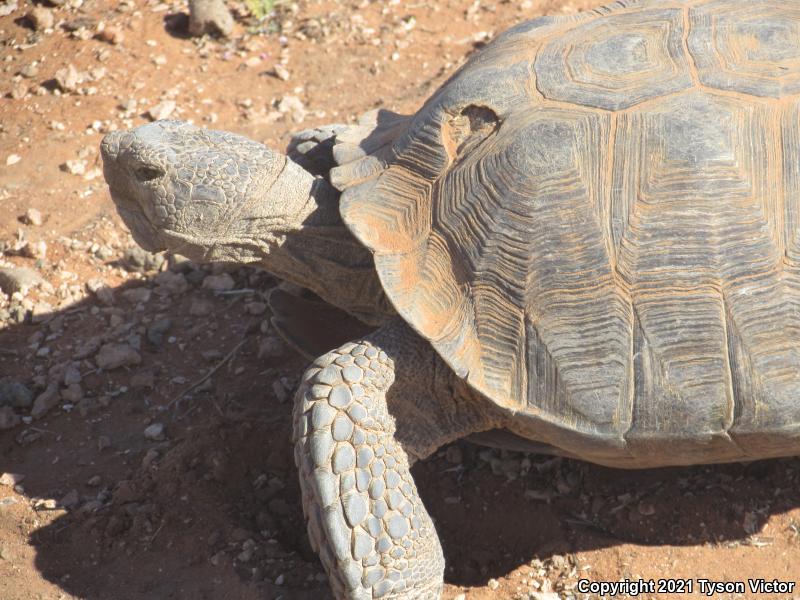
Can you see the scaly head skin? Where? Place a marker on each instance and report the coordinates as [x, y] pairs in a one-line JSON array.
[[217, 196], [203, 193]]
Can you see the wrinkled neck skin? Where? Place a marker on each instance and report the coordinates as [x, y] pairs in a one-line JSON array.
[[312, 249]]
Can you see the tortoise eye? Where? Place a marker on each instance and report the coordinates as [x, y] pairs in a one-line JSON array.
[[147, 173]]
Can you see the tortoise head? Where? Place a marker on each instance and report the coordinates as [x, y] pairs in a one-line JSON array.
[[210, 195]]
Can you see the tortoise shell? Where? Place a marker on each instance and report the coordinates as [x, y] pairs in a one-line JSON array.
[[596, 223]]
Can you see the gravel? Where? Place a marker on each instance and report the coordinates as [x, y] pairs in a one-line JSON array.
[[114, 356], [19, 279], [15, 394], [209, 17], [46, 401]]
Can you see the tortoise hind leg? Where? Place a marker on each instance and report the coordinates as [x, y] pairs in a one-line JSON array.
[[354, 445]]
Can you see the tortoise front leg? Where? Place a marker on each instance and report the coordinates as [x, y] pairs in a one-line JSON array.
[[365, 518]]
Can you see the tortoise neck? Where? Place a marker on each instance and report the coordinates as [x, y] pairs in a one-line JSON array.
[[323, 256]]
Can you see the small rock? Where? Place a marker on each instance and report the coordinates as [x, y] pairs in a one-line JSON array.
[[11, 479], [13, 159], [200, 307], [103, 293], [113, 356], [493, 584], [162, 110], [209, 17], [219, 283], [30, 70], [272, 347], [155, 432], [94, 481], [281, 72], [36, 250], [41, 18], [68, 78], [140, 260], [280, 391], [8, 418], [19, 279], [14, 394], [7, 7], [112, 35], [256, 308], [149, 458], [72, 393], [72, 374], [293, 106], [137, 295], [115, 526], [71, 500], [157, 330], [74, 167], [45, 401], [145, 379], [125, 492], [211, 355], [170, 284]]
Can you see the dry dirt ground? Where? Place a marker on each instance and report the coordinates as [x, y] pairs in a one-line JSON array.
[[138, 475]]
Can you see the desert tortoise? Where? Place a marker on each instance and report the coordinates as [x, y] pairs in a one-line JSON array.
[[589, 237]]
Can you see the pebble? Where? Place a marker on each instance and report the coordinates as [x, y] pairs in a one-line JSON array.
[[162, 110], [8, 418], [256, 308], [149, 458], [113, 356], [218, 283], [200, 307], [69, 78], [111, 35], [41, 18], [271, 347], [45, 401], [11, 479], [19, 279], [155, 432], [8, 7], [170, 284], [70, 500], [493, 584], [103, 293], [72, 393], [140, 260], [281, 72], [74, 167], [30, 70], [157, 330], [15, 394], [137, 295], [293, 106], [209, 17], [145, 379], [13, 159]]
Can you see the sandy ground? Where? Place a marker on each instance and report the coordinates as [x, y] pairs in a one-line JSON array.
[[148, 480]]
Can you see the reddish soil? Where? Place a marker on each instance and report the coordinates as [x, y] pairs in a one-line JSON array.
[[212, 510]]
